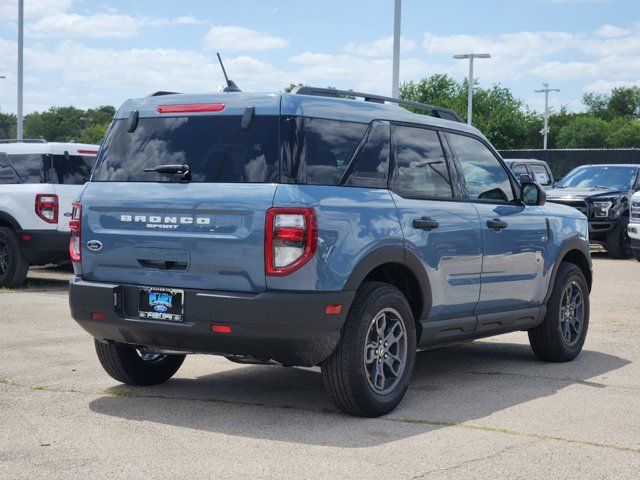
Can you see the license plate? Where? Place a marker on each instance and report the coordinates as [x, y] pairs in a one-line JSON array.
[[161, 304]]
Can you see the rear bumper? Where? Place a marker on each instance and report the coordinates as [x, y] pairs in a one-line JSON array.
[[41, 247], [288, 327]]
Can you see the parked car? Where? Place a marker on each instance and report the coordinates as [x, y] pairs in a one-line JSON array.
[[538, 170], [38, 182], [634, 225], [602, 193], [304, 229]]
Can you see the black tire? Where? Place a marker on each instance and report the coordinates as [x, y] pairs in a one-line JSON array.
[[13, 266], [636, 254], [547, 340], [124, 364], [618, 243], [344, 374]]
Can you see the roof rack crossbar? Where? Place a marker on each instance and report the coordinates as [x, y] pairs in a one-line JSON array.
[[439, 112]]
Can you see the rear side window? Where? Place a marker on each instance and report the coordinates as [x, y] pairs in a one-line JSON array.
[[541, 175], [216, 149], [318, 151], [520, 169], [421, 165], [31, 167], [371, 164], [7, 174], [72, 169], [484, 175]]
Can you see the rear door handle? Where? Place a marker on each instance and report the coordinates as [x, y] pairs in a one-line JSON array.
[[497, 224], [425, 223]]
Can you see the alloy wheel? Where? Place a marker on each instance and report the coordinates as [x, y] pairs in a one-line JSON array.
[[571, 313], [385, 351]]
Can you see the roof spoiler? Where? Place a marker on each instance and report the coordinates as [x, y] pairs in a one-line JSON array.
[[440, 112]]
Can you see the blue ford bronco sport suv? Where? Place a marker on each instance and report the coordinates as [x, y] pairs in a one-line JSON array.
[[309, 229]]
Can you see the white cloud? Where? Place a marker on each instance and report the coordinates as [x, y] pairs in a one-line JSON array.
[[73, 25], [379, 48], [563, 71], [188, 20], [611, 31], [237, 39]]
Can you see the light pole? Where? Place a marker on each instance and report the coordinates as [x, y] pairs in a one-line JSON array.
[[470, 56], [20, 66], [395, 80], [545, 129]]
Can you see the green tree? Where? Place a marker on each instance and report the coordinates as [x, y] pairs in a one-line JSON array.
[[583, 131], [625, 102], [623, 133], [63, 124], [7, 125], [94, 134], [504, 119]]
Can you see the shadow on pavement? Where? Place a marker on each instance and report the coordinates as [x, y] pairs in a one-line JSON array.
[[450, 385]]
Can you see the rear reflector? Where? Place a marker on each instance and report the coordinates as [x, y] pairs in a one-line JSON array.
[[221, 329], [191, 108], [333, 309], [26, 238], [97, 316]]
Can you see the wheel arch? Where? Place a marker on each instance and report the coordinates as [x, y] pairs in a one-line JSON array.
[[401, 268], [575, 251], [7, 220]]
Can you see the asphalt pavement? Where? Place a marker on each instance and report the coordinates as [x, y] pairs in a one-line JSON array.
[[486, 409]]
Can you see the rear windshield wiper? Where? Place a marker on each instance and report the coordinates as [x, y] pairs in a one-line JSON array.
[[599, 186], [178, 169]]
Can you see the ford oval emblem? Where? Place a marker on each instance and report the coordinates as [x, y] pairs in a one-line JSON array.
[[94, 245]]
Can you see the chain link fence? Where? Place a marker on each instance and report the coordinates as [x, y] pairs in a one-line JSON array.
[[562, 161]]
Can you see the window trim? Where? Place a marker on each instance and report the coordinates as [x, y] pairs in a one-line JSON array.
[[515, 185], [393, 164]]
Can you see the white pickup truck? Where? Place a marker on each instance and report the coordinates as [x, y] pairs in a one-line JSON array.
[[38, 183], [634, 225]]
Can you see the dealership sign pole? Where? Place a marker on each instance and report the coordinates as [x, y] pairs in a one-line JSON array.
[[395, 82], [20, 66]]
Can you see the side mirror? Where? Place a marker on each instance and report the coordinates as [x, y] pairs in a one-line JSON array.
[[533, 194]]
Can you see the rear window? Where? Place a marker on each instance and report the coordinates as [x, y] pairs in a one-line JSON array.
[[216, 149], [541, 175], [72, 169], [317, 150]]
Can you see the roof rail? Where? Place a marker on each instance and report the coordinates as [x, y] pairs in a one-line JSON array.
[[440, 112], [162, 92], [26, 140]]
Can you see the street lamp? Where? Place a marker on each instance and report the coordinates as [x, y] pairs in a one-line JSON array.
[[545, 129], [20, 67], [470, 56]]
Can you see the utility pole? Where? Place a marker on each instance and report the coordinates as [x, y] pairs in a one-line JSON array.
[[545, 129], [395, 81], [470, 56], [20, 66]]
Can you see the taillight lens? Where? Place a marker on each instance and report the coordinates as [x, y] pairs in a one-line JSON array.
[[75, 225], [47, 207], [291, 236]]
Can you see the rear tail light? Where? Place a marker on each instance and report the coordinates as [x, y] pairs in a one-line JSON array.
[[75, 225], [47, 207], [291, 239]]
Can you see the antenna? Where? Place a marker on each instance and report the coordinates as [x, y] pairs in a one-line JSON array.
[[231, 86]]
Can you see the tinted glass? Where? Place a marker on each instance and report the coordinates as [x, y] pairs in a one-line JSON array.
[[620, 178], [31, 168], [519, 170], [540, 174], [371, 164], [484, 175], [421, 166], [320, 150], [7, 175], [72, 169], [216, 149]]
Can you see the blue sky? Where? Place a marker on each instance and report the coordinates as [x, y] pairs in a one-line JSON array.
[[88, 53]]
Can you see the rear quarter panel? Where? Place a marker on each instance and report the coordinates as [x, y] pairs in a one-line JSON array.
[[352, 222]]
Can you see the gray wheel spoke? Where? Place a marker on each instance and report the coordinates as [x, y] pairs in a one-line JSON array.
[[379, 376], [371, 354], [381, 324]]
